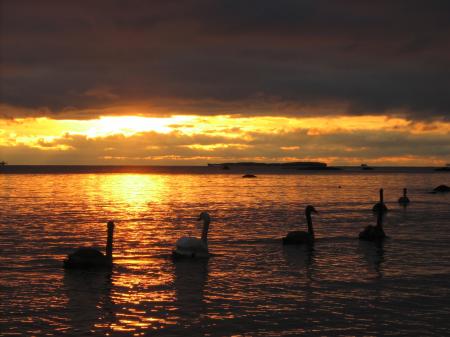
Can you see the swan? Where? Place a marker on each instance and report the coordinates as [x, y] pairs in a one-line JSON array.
[[379, 204], [301, 237], [248, 176], [404, 200], [374, 233], [91, 257], [194, 247]]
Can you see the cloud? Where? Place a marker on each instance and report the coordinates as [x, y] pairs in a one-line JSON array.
[[292, 58], [335, 147]]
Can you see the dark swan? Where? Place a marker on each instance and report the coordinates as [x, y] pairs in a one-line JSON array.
[[374, 233], [404, 200], [380, 204], [194, 247], [91, 257], [301, 237]]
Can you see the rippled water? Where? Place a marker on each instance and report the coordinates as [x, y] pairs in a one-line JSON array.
[[252, 285]]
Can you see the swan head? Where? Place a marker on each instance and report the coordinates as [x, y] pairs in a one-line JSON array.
[[310, 209], [204, 216]]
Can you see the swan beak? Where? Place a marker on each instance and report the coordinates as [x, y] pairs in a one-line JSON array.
[[314, 211]]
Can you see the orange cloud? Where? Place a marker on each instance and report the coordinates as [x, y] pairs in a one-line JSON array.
[[197, 140]]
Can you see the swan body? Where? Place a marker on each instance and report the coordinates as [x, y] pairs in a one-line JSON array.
[[302, 237], [403, 200], [87, 257], [378, 206], [193, 247], [374, 233], [298, 237]]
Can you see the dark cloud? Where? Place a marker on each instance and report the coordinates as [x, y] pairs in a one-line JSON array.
[[287, 57]]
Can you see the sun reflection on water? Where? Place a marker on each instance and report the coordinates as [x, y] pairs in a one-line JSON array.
[[136, 192]]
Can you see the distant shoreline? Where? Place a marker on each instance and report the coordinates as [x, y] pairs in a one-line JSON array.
[[191, 169]]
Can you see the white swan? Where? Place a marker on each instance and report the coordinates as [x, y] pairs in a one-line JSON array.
[[188, 246]]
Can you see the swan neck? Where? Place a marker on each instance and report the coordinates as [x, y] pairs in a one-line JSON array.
[[381, 196], [309, 222], [205, 231], [404, 192], [380, 218], [109, 243]]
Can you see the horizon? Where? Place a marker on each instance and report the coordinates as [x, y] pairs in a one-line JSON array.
[[205, 165], [224, 163]]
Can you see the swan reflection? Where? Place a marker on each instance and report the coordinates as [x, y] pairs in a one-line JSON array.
[[373, 253], [89, 304], [191, 277], [300, 258]]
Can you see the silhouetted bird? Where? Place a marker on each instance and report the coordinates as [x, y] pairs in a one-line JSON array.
[[91, 257], [380, 204], [403, 200], [374, 233], [301, 237]]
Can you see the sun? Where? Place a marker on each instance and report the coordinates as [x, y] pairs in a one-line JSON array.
[[129, 125]]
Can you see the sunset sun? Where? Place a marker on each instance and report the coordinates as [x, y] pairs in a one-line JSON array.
[[129, 125]]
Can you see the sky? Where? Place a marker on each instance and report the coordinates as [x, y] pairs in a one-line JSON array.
[[206, 81]]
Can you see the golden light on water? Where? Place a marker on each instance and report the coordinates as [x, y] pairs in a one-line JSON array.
[[135, 190], [250, 269]]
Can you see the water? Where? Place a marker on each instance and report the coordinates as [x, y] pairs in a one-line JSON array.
[[252, 285]]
